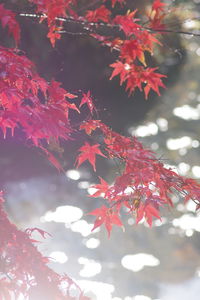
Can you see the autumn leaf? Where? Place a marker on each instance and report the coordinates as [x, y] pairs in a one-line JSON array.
[[148, 212], [106, 216], [128, 23], [87, 99], [132, 49], [89, 153], [120, 69], [101, 188], [90, 126], [153, 81], [99, 14], [43, 233], [53, 35], [158, 6], [50, 11], [7, 18]]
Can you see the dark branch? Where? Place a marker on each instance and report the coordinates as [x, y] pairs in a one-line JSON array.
[[100, 24]]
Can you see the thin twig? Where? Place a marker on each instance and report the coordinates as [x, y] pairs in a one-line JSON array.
[[97, 24], [172, 31]]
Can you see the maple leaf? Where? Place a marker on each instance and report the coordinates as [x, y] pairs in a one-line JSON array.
[[101, 188], [40, 122], [147, 41], [153, 81], [99, 14], [106, 216], [87, 99], [43, 233], [128, 23], [137, 75], [120, 69], [156, 24], [53, 35], [90, 126], [50, 11], [7, 18], [57, 96], [157, 16], [89, 153], [148, 211], [132, 49], [158, 6], [25, 262]]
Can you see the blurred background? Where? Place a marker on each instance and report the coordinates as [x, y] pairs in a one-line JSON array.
[[142, 263]]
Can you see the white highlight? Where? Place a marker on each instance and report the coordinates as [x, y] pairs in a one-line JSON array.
[[83, 227], [59, 257], [183, 142], [90, 267], [63, 214], [195, 144], [187, 112], [83, 185], [73, 174], [189, 24], [146, 130], [196, 171], [127, 67], [187, 222], [138, 261], [183, 168], [91, 190], [191, 206], [92, 243], [162, 124]]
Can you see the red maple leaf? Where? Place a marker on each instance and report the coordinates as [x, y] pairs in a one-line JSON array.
[[153, 81], [156, 23], [128, 23], [120, 69], [132, 49], [102, 187], [106, 216], [43, 233], [89, 153], [157, 15], [90, 126], [53, 34], [99, 14], [50, 11], [7, 18], [158, 6], [87, 99], [147, 211]]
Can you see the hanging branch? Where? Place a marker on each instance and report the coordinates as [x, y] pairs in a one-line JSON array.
[[96, 25]]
